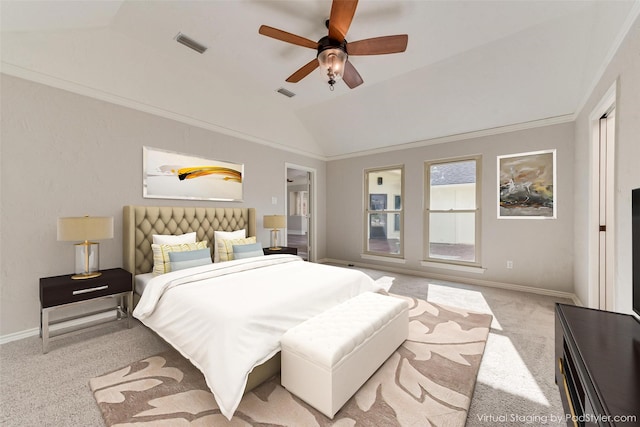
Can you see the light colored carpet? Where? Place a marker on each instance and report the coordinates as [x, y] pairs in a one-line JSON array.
[[429, 380], [515, 380]]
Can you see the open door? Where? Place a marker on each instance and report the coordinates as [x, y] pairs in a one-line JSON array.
[[299, 210]]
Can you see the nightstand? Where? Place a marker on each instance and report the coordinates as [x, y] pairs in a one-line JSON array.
[[282, 250], [63, 291]]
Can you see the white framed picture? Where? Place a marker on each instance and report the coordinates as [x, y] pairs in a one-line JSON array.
[[171, 175], [527, 185]]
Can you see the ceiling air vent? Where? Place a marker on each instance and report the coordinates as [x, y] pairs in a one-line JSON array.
[[286, 92], [190, 43]]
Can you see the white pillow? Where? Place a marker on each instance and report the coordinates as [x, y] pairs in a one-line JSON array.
[[225, 247], [225, 235], [161, 260], [168, 239]]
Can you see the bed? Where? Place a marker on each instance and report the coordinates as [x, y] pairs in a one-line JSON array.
[[227, 317]]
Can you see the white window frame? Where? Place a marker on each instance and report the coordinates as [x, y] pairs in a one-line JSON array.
[[477, 211], [367, 211]]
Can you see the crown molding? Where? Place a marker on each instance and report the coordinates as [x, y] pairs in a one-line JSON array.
[[45, 79], [624, 30], [463, 136], [48, 80]]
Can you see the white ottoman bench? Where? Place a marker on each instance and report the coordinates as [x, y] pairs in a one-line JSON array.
[[327, 358]]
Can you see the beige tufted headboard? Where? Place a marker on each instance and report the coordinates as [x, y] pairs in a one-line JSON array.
[[140, 223]]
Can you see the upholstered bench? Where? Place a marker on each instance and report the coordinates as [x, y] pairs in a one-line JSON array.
[[327, 358]]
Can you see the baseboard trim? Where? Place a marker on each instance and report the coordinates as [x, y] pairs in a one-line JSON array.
[[19, 335], [577, 301], [465, 280], [59, 326]]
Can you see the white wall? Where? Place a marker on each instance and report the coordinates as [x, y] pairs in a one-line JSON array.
[[624, 71], [541, 250], [64, 154]]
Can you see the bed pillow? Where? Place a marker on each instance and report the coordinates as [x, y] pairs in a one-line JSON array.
[[219, 235], [225, 247], [182, 260], [161, 261], [249, 250], [169, 239]]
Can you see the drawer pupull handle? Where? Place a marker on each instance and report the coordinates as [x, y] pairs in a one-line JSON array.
[[86, 291]]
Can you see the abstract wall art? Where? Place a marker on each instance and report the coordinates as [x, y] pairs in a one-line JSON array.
[[527, 185], [171, 175]]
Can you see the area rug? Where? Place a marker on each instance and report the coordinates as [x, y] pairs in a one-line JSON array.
[[429, 380]]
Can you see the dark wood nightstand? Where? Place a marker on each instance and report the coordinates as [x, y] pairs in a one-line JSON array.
[[282, 250], [63, 291]]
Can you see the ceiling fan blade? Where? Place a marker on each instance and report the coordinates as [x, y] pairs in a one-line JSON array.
[[287, 37], [342, 12], [351, 76], [304, 71], [379, 45]]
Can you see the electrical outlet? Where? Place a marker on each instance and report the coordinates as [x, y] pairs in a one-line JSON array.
[[274, 200], [509, 264]]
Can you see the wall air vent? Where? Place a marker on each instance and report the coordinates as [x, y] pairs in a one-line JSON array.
[[190, 43], [286, 92]]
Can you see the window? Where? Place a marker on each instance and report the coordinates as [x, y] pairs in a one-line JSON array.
[[384, 216], [452, 211]]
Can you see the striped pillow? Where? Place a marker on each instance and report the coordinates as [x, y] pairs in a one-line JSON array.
[[182, 260], [225, 247], [249, 250], [161, 261]]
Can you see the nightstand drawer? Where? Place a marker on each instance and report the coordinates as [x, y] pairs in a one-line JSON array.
[[60, 290], [280, 250]]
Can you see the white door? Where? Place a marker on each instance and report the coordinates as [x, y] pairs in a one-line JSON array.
[[606, 277]]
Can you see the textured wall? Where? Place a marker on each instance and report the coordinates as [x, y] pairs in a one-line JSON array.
[[541, 250], [64, 154], [624, 71]]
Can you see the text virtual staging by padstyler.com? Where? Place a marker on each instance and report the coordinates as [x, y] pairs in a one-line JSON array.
[[538, 419]]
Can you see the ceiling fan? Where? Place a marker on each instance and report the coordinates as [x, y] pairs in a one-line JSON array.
[[334, 50]]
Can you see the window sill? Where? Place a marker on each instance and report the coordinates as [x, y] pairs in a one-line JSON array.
[[456, 267], [383, 258]]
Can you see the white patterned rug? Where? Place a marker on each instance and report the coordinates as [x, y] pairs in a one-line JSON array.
[[429, 380]]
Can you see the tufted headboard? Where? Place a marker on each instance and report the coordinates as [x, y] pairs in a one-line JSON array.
[[140, 223]]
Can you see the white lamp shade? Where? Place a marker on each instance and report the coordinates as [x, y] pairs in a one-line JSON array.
[[84, 228], [275, 221]]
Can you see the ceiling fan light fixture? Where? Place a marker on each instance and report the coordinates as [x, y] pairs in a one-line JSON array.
[[332, 61]]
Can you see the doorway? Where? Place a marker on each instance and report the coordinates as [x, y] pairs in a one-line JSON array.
[[300, 205], [602, 236], [606, 277]]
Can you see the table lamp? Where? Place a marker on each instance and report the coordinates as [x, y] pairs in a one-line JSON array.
[[274, 222], [85, 229]]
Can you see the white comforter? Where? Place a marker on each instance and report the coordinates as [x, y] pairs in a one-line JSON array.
[[227, 318]]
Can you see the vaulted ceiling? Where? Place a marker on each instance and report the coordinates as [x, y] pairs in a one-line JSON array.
[[469, 66]]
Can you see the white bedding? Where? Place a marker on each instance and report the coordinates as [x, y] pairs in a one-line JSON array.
[[229, 317], [140, 282]]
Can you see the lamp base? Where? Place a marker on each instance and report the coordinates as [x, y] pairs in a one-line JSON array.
[[87, 255], [274, 240], [86, 276]]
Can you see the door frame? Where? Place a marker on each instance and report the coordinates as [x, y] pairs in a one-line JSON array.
[[606, 104], [313, 200]]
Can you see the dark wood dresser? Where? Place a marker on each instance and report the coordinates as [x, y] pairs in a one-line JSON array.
[[598, 366]]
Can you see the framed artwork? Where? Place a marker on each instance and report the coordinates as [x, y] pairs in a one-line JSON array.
[[527, 185], [171, 175]]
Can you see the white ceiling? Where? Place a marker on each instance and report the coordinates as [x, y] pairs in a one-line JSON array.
[[469, 66]]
